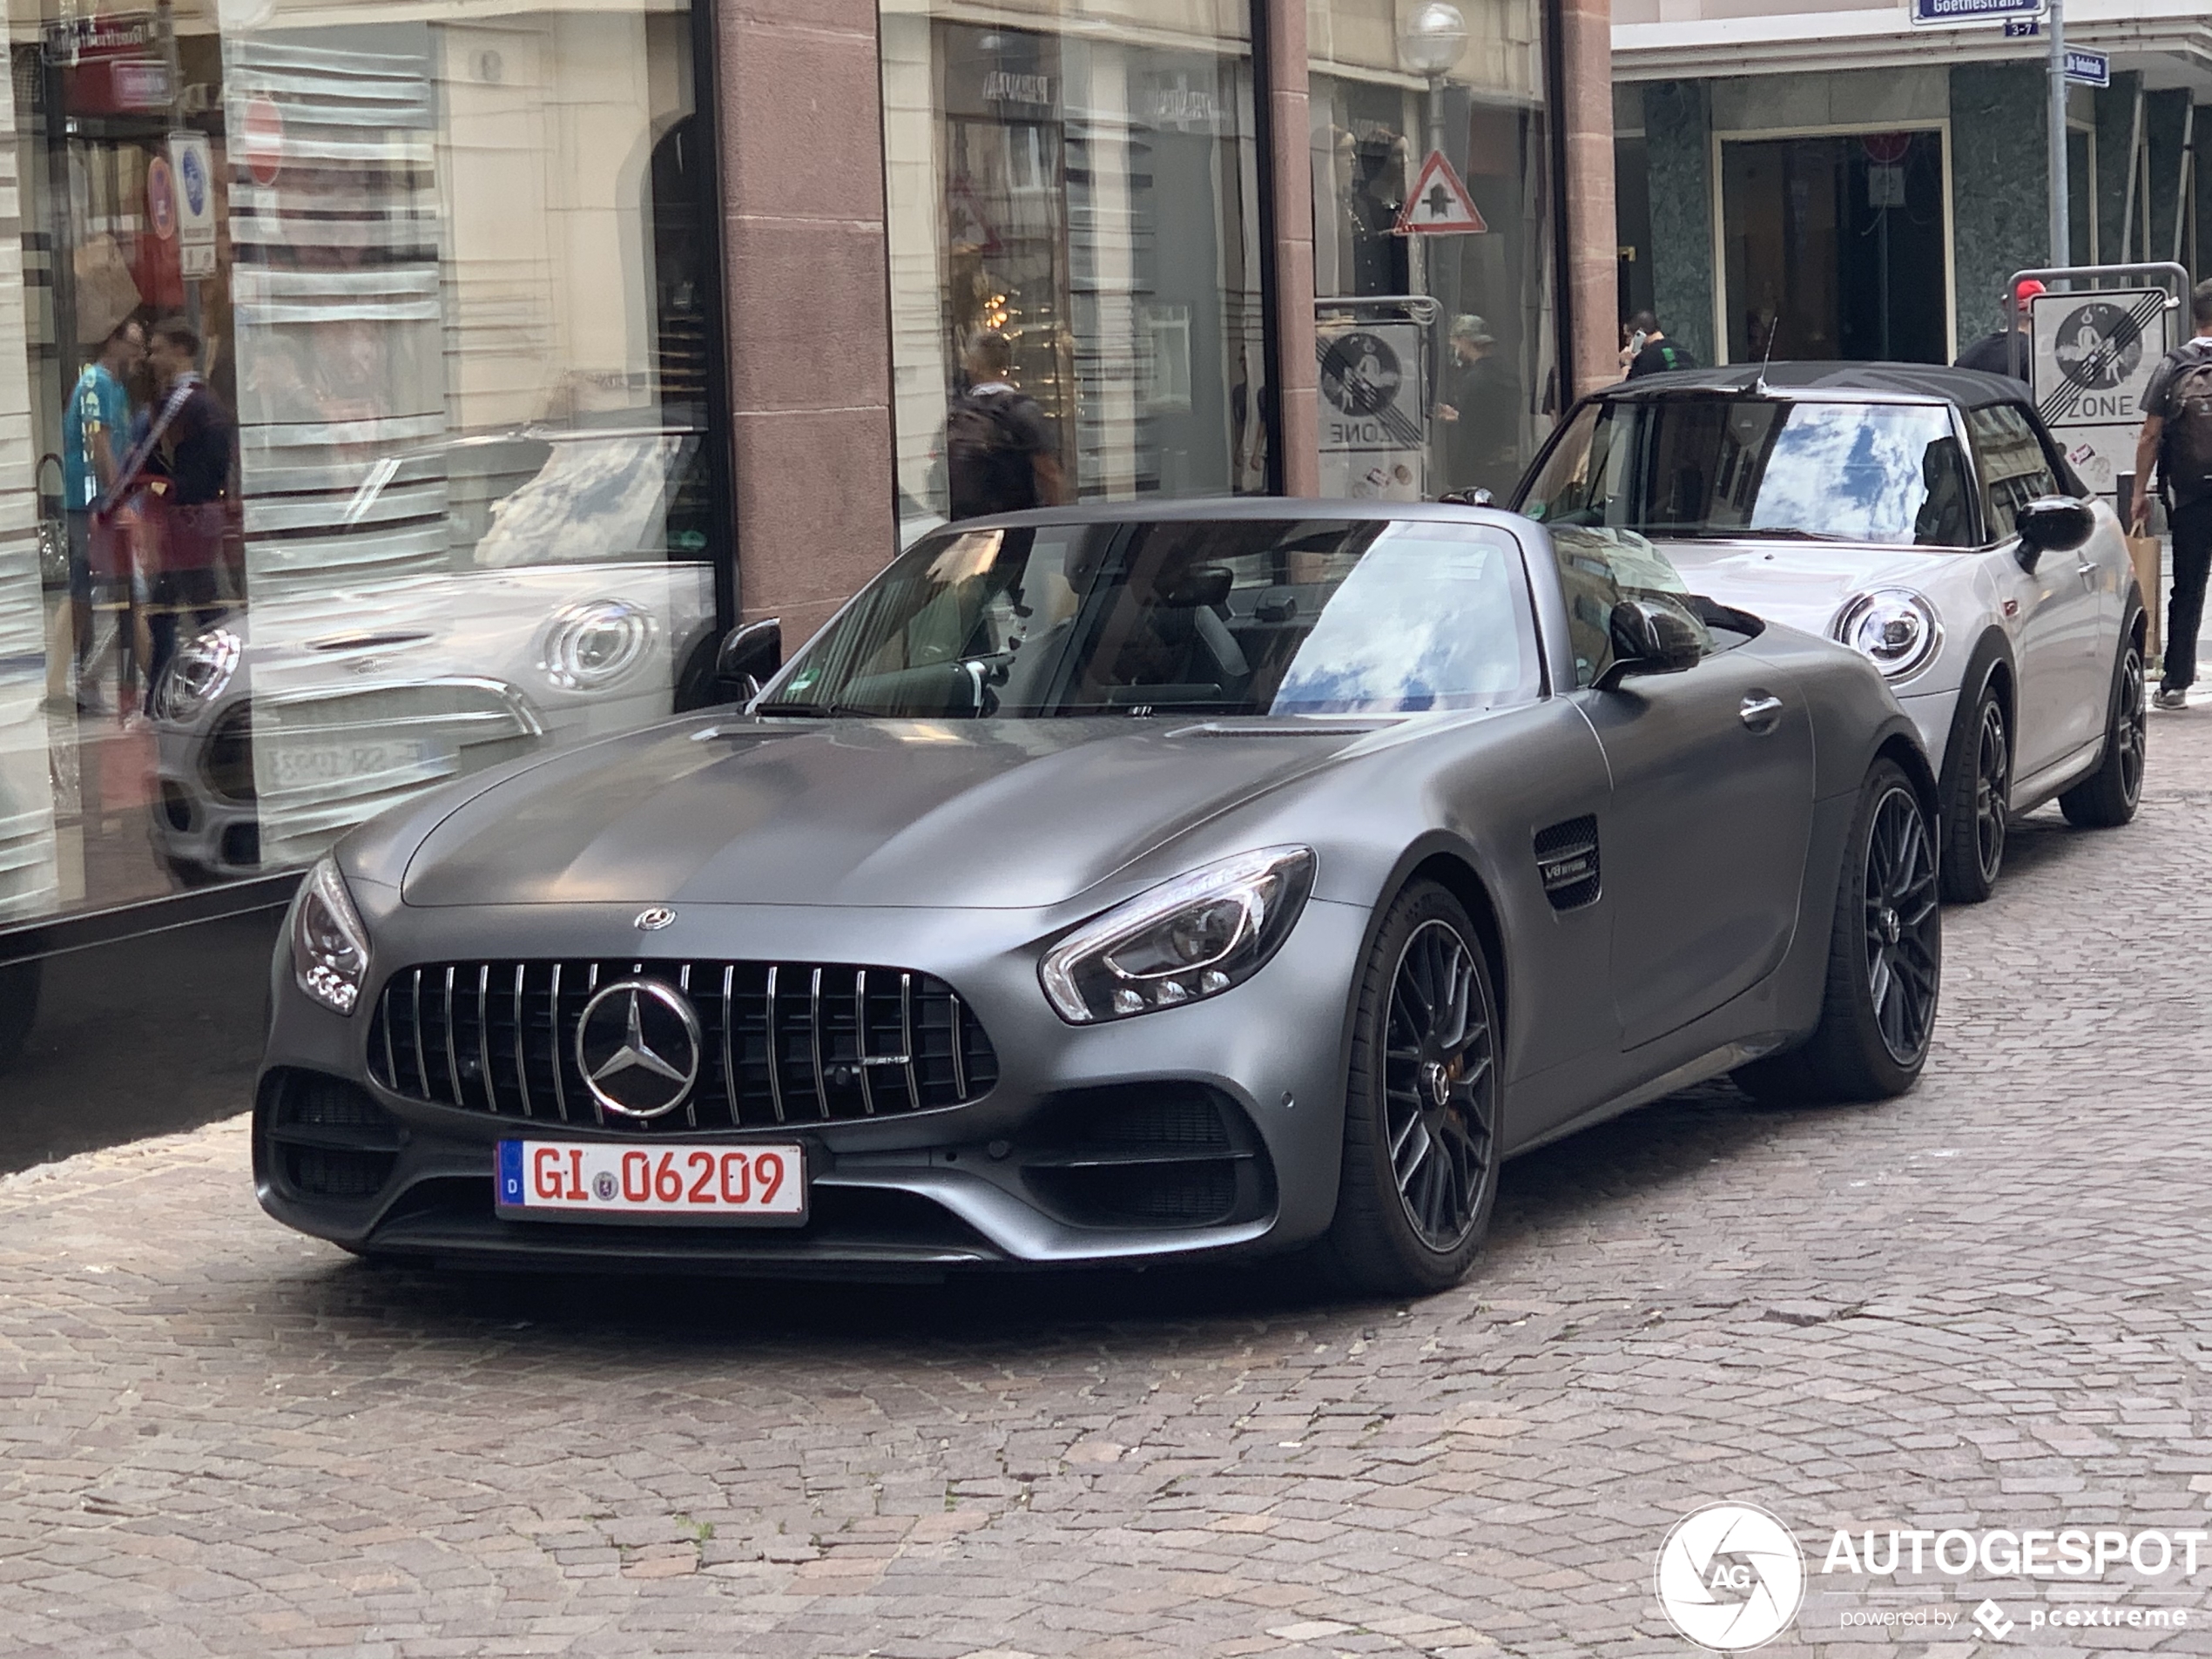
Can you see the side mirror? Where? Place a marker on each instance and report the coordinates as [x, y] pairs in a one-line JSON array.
[[2052, 524], [1650, 638], [750, 654]]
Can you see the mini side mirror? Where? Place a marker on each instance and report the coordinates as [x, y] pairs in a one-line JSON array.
[[1650, 638], [2052, 524], [750, 655], [1476, 497]]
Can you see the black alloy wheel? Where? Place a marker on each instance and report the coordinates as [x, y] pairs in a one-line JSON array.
[[1977, 802], [1421, 1118], [1885, 975], [1904, 930], [2107, 797], [1436, 1087]]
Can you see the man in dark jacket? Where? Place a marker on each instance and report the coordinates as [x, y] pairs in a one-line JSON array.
[[1645, 349], [1991, 354], [2177, 438]]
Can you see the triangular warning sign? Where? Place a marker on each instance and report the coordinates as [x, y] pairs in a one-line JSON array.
[[1438, 204]]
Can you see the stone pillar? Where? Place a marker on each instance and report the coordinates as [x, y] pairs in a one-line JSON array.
[[1999, 186], [800, 118], [1593, 238], [1298, 377], [1677, 141]]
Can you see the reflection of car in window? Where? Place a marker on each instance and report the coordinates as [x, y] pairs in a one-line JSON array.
[[561, 591], [1922, 516]]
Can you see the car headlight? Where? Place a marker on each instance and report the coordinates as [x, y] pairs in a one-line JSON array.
[[329, 945], [595, 644], [198, 673], [1185, 940], [1893, 628]]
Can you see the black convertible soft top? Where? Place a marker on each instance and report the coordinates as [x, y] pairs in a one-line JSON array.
[[1968, 389]]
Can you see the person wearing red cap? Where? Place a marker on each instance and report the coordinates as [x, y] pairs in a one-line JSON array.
[[1992, 352]]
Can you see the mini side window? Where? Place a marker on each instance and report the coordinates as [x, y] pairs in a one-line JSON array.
[[2015, 470]]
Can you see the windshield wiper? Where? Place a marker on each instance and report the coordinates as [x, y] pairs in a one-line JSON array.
[[809, 710], [1762, 533]]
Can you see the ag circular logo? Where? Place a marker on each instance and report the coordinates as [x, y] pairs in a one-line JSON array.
[[2098, 347], [1361, 374], [1730, 1577], [638, 1047]]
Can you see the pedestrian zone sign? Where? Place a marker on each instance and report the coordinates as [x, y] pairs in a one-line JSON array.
[[1439, 205], [2093, 354]]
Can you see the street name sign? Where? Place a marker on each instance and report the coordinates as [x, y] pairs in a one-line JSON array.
[[1952, 13], [2088, 68]]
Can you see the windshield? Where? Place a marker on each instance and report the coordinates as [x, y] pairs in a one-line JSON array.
[[1887, 473], [539, 498], [1238, 616]]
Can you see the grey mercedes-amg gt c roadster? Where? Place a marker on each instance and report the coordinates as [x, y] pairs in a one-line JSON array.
[[1116, 885]]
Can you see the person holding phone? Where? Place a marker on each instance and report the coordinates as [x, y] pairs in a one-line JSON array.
[[1645, 349]]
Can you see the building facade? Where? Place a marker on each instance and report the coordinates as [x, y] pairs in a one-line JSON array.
[[390, 391], [1833, 181]]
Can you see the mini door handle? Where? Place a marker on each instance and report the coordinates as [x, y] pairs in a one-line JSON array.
[[1761, 713]]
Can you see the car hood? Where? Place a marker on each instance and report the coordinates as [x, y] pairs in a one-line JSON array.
[[990, 814], [1802, 584]]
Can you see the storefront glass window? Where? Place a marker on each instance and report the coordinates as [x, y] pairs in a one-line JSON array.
[[1075, 284], [355, 382], [1439, 348]]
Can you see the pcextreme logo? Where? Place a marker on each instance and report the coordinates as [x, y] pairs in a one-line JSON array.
[[1730, 1577]]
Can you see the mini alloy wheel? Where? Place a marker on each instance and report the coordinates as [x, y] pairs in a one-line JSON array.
[[1902, 926], [1438, 1087], [1977, 796], [1992, 789], [2107, 797]]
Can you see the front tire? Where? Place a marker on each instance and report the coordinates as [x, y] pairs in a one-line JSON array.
[[1422, 1120], [1976, 799], [2107, 797], [1884, 960]]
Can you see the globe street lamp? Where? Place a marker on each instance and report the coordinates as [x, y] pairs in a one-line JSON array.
[[1429, 43]]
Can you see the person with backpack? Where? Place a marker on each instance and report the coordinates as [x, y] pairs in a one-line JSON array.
[[2177, 437], [999, 453]]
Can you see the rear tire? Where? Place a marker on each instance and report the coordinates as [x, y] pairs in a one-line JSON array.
[[1420, 1119], [2107, 797], [1884, 960], [1977, 791]]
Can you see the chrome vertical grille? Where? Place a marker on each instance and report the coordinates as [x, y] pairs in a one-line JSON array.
[[781, 1043]]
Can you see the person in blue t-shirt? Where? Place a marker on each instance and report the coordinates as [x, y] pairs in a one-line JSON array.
[[95, 427]]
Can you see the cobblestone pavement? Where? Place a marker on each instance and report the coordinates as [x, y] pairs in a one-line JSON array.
[[1988, 1304]]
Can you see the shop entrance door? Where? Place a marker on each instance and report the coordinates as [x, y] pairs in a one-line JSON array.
[[1834, 247]]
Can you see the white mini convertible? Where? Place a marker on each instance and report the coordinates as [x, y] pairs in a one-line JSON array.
[[1923, 517]]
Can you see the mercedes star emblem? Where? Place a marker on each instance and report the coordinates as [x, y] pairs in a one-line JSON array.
[[638, 1047], [651, 920]]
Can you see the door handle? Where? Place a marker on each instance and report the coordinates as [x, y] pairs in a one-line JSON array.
[[2089, 575], [1761, 712]]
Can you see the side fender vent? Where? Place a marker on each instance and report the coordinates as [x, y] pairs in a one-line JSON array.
[[1567, 859]]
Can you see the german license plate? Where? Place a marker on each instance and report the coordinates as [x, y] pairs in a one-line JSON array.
[[600, 1181], [306, 765]]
